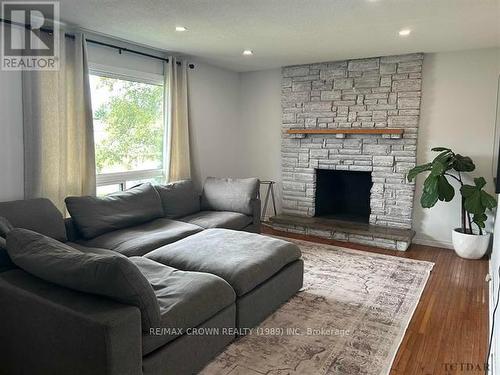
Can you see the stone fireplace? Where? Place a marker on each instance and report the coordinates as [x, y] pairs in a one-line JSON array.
[[376, 103]]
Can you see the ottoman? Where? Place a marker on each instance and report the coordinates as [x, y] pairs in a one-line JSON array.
[[263, 271]]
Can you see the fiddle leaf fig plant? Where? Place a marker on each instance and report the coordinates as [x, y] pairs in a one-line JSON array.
[[447, 164]]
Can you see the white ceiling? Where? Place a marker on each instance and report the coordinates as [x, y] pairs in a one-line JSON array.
[[286, 32]]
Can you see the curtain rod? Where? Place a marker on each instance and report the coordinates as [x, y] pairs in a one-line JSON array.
[[120, 49]]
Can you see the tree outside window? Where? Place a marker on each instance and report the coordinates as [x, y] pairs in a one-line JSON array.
[[128, 129]]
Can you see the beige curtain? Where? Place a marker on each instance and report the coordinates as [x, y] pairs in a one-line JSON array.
[[177, 156], [59, 154]]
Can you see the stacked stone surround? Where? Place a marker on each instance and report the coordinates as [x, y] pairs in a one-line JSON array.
[[381, 92]]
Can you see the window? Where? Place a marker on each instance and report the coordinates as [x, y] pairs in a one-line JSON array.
[[129, 129]]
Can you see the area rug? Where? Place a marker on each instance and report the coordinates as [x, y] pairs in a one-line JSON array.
[[349, 319]]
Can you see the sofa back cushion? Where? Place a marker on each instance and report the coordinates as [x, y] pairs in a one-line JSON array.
[[105, 273], [229, 194], [94, 216], [179, 199], [39, 215]]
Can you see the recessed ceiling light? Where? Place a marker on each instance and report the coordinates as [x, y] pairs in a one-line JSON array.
[[404, 32], [247, 52], [180, 28]]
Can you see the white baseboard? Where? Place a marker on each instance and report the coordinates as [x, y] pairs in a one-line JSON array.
[[434, 243]]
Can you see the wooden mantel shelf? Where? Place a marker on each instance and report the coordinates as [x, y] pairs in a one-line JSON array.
[[391, 132]]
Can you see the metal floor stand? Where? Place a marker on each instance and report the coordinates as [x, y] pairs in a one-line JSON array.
[[269, 193]]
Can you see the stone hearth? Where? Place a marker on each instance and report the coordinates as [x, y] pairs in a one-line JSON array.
[[366, 234], [373, 93]]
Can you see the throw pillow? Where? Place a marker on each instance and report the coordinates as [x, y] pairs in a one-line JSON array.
[[94, 216], [107, 274], [179, 199], [229, 194]]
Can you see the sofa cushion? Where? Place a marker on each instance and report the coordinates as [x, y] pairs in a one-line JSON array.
[[228, 194], [39, 215], [186, 299], [243, 259], [86, 249], [107, 274], [141, 239], [94, 216], [178, 199], [218, 219]]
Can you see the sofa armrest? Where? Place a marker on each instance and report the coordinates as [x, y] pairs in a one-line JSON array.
[[47, 329], [256, 214]]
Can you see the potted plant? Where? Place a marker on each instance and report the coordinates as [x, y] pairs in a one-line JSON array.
[[470, 240]]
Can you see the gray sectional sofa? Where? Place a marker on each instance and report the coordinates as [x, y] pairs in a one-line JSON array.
[[137, 282]]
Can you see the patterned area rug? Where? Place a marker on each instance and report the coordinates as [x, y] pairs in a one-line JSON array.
[[349, 319]]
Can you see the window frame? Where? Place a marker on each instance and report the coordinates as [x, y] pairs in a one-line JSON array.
[[121, 178]]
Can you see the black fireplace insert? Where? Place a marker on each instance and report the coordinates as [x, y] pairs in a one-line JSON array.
[[343, 195]]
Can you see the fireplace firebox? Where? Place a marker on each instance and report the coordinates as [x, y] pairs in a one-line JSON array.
[[343, 195]]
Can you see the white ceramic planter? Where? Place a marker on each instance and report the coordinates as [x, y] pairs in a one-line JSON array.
[[470, 246]]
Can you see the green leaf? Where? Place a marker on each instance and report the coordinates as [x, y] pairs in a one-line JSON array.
[[473, 203], [438, 168], [430, 192], [467, 190], [488, 201], [446, 192], [480, 219], [445, 157], [428, 200], [480, 182], [463, 163], [430, 184], [418, 169], [476, 200], [438, 149]]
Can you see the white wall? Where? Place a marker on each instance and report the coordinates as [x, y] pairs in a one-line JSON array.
[[11, 137], [458, 110], [217, 138], [260, 118]]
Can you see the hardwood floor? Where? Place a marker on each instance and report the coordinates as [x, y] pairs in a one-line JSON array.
[[448, 333]]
